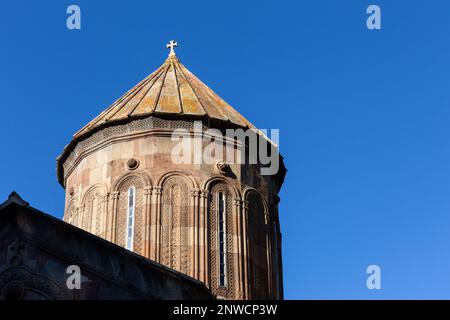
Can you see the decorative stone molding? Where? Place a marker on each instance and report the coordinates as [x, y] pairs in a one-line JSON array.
[[150, 125], [245, 205], [209, 183], [182, 174], [157, 190], [78, 214], [148, 191], [139, 175], [175, 224], [16, 281], [222, 167], [114, 195], [204, 194], [229, 291], [104, 198], [195, 192]]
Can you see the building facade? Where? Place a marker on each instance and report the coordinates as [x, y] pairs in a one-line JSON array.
[[216, 222]]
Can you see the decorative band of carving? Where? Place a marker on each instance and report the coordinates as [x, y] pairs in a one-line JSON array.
[[135, 126]]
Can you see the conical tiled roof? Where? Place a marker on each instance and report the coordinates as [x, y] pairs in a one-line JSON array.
[[171, 89]]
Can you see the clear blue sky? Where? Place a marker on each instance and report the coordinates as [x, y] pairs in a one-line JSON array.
[[364, 117]]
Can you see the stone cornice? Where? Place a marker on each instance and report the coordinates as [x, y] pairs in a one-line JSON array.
[[135, 129]]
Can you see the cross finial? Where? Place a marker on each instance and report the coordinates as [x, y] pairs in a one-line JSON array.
[[172, 44]]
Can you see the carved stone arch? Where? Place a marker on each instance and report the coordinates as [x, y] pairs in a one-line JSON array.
[[258, 229], [189, 179], [94, 205], [176, 220], [72, 209], [207, 185], [215, 186], [141, 183], [100, 186], [147, 181], [71, 215], [19, 283], [248, 190]]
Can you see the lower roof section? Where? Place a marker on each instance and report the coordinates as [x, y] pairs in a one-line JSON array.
[[40, 257]]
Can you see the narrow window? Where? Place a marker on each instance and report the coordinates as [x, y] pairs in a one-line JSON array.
[[222, 239], [130, 217]]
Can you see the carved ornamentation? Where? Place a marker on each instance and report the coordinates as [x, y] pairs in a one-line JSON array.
[[174, 224], [229, 291], [114, 195], [18, 283], [71, 213], [157, 191], [204, 194], [139, 212], [136, 126], [222, 167], [195, 192], [94, 211]]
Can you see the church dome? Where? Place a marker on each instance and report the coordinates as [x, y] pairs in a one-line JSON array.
[[171, 89]]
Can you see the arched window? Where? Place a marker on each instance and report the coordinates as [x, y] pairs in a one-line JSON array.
[[130, 217], [221, 226], [129, 226], [222, 243]]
